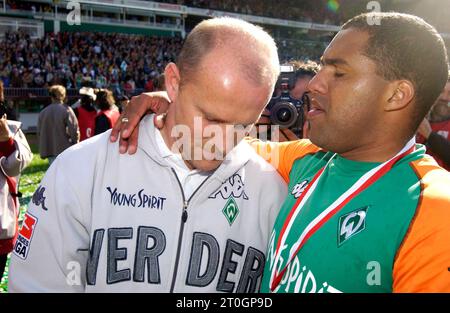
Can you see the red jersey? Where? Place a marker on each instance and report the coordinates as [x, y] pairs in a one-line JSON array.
[[442, 129], [111, 115], [86, 123]]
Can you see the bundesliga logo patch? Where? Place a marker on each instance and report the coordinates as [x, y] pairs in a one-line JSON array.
[[26, 234]]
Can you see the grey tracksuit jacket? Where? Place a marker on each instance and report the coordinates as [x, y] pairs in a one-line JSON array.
[[105, 222]]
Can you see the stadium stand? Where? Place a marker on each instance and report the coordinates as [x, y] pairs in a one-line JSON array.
[[123, 45], [307, 11], [108, 60]]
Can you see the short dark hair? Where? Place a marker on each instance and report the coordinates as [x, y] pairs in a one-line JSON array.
[[305, 69], [105, 99], [406, 47]]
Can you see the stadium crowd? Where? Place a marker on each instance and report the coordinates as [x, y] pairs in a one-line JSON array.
[[112, 60], [120, 62], [115, 61]]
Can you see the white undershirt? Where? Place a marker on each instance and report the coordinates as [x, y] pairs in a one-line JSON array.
[[190, 179]]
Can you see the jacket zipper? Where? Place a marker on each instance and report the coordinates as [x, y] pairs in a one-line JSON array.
[[184, 217]]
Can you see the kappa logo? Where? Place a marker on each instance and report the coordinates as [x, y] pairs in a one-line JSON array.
[[39, 198], [351, 224], [232, 187], [299, 188], [22, 245]]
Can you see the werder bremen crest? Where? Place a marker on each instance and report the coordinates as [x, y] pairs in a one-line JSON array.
[[231, 210], [351, 224], [232, 189]]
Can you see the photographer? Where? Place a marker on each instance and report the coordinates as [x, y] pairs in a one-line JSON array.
[[85, 112], [108, 114], [302, 73], [57, 127]]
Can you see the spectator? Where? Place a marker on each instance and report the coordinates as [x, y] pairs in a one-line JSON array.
[[122, 101], [68, 58], [101, 81], [435, 131], [27, 79], [57, 126], [86, 112], [159, 83], [6, 107], [16, 80], [109, 113], [129, 85], [149, 85]]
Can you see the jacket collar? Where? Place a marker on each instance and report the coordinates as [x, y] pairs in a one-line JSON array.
[[234, 161]]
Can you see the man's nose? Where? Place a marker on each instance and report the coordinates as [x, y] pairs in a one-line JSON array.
[[318, 84]]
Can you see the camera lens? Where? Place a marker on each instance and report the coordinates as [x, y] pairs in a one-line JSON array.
[[284, 115]]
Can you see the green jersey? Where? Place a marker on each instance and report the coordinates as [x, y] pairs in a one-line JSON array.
[[357, 249]]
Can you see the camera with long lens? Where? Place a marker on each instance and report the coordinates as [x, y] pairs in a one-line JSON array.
[[285, 111]]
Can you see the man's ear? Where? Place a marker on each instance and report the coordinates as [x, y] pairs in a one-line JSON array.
[[172, 80], [401, 93]]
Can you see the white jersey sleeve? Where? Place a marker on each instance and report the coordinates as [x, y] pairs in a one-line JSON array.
[[51, 251], [274, 193]]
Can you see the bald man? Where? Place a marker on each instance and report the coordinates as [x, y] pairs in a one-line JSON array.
[[192, 211]]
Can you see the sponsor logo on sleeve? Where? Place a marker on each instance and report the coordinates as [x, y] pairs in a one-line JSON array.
[[22, 245]]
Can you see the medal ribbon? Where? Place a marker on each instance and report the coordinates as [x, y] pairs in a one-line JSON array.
[[363, 183]]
